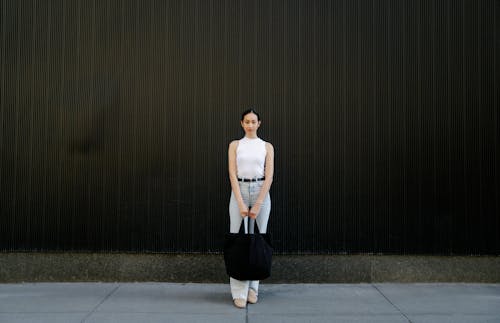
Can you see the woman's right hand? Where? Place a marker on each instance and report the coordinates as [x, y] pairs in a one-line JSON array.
[[243, 209]]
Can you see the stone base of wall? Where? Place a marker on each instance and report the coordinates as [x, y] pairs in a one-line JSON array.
[[110, 267]]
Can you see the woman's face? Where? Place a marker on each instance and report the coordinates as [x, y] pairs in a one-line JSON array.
[[250, 123]]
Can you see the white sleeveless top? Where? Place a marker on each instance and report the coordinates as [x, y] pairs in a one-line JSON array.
[[250, 158]]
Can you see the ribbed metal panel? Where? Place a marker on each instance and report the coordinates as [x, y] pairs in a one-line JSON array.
[[116, 115]]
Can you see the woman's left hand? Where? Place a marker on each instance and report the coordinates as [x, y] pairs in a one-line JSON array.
[[254, 211]]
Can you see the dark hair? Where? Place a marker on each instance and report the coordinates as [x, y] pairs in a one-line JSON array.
[[251, 110]]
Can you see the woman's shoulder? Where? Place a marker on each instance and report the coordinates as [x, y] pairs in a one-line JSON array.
[[269, 146], [234, 143]]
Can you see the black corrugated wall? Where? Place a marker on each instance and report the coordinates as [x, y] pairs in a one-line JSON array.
[[115, 118]]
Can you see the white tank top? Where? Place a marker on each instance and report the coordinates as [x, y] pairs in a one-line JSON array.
[[251, 158]]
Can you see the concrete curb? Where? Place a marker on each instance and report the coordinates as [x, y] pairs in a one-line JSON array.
[[202, 268]]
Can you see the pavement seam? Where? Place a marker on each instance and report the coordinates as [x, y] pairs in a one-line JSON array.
[[100, 303], [401, 312]]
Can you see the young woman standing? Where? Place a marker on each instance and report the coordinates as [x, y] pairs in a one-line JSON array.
[[251, 168]]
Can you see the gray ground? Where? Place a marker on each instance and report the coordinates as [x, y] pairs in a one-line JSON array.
[[186, 303]]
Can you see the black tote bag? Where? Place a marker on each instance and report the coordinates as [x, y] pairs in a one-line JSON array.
[[248, 256]]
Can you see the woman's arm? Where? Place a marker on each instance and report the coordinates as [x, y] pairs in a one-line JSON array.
[[269, 171], [234, 178]]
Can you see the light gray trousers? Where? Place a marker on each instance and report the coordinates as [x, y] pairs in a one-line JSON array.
[[249, 191]]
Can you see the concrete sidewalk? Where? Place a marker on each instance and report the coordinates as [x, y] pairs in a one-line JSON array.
[[186, 303]]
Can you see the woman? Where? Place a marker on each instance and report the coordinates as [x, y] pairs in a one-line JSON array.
[[251, 167]]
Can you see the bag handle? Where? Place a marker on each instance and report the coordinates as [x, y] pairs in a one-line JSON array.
[[255, 226]]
